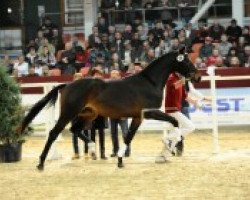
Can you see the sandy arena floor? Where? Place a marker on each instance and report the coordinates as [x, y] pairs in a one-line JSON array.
[[199, 174]]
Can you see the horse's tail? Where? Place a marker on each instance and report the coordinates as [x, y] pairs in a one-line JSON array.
[[50, 98]]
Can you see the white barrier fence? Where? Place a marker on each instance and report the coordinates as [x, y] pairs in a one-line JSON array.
[[213, 80]]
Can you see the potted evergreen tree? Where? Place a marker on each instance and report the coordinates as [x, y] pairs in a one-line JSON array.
[[11, 114]]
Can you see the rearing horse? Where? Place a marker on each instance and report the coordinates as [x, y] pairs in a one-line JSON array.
[[138, 96]]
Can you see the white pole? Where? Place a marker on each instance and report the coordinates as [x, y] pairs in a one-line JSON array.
[[214, 115], [202, 11]]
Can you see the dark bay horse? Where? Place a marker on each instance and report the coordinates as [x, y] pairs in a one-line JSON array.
[[138, 96]]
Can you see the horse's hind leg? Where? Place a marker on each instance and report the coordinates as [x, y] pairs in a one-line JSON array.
[[136, 122], [53, 134]]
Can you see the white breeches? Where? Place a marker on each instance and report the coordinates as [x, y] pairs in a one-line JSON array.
[[186, 126]]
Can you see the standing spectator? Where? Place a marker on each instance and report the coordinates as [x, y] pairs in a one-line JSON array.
[[111, 34], [99, 124], [39, 38], [136, 44], [94, 37], [102, 25], [123, 123], [67, 62], [129, 55], [206, 49], [21, 67], [119, 44], [47, 44], [216, 30], [233, 31]]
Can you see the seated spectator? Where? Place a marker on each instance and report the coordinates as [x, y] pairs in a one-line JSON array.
[[215, 31], [32, 71], [32, 56], [219, 62], [199, 63], [7, 63], [136, 43], [175, 44], [152, 40], [81, 58], [116, 63], [149, 57], [143, 32], [21, 67], [190, 32], [45, 70], [201, 33], [233, 31], [232, 53], [206, 49], [211, 60], [127, 34], [111, 34], [39, 38], [234, 62], [246, 34], [129, 55], [46, 57], [31, 43], [76, 42], [46, 43], [224, 46], [67, 62], [244, 56], [160, 49]]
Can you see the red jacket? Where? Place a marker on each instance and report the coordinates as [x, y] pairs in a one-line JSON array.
[[174, 96]]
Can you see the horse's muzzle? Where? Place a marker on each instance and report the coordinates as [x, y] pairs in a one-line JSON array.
[[195, 77]]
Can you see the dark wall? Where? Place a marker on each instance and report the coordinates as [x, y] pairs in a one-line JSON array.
[[31, 18], [11, 19]]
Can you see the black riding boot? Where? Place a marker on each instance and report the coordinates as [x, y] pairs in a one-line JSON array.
[[180, 147]]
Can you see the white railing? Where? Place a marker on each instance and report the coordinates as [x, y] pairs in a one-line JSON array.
[[213, 80]]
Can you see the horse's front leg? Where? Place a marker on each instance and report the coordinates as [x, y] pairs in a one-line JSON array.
[[136, 122]]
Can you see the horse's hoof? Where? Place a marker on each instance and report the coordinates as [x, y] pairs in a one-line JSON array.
[[40, 167]]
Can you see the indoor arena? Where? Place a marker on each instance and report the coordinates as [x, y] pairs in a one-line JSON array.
[[121, 99]]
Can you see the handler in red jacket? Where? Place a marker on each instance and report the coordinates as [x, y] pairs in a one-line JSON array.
[[175, 94]]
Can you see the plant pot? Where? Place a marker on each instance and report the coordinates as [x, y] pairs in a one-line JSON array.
[[10, 152]]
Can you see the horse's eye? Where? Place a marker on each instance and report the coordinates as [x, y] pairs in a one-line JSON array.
[[180, 58]]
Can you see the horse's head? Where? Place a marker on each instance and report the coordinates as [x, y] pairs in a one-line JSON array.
[[184, 66]]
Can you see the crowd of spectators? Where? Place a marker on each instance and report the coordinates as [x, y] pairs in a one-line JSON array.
[[130, 50]]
